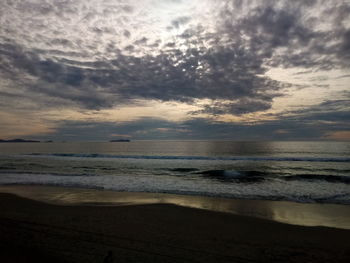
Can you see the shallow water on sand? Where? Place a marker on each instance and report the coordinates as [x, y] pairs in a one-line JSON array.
[[329, 215]]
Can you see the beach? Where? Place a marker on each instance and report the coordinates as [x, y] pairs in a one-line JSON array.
[[35, 231], [174, 131], [175, 201]]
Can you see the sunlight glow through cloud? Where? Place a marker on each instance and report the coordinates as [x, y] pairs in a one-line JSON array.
[[218, 62]]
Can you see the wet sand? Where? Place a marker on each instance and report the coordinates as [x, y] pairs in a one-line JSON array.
[[33, 231], [305, 214]]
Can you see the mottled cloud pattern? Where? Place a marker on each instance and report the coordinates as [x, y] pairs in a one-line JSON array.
[[92, 55]]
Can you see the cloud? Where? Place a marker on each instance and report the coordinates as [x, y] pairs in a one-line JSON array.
[[172, 76], [223, 71], [307, 34], [182, 20], [239, 107], [313, 125], [333, 110], [338, 135], [94, 55]]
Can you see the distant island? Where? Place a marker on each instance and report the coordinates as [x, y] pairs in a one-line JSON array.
[[120, 140], [18, 140]]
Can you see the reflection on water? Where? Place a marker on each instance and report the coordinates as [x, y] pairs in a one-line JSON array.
[[185, 148], [330, 215]]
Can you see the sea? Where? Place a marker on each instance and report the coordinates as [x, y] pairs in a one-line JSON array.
[[299, 171]]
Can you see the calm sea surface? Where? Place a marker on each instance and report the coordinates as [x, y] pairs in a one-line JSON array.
[[294, 171]]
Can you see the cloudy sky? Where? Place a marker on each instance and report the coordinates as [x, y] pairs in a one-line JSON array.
[[175, 69]]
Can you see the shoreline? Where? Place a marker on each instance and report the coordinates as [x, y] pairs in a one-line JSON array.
[[33, 231], [302, 214]]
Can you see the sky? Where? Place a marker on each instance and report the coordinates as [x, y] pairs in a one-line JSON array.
[[95, 70]]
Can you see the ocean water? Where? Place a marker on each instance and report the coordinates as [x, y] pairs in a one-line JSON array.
[[290, 171]]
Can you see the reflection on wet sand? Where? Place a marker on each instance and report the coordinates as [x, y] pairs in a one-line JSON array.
[[330, 215]]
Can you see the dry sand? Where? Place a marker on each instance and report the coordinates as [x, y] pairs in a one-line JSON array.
[[32, 231]]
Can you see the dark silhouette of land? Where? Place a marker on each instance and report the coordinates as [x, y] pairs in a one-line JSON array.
[[120, 140]]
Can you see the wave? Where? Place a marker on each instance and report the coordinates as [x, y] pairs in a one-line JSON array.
[[220, 183], [205, 158], [11, 172], [313, 177], [343, 198], [313, 169], [234, 176], [258, 176], [183, 170]]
